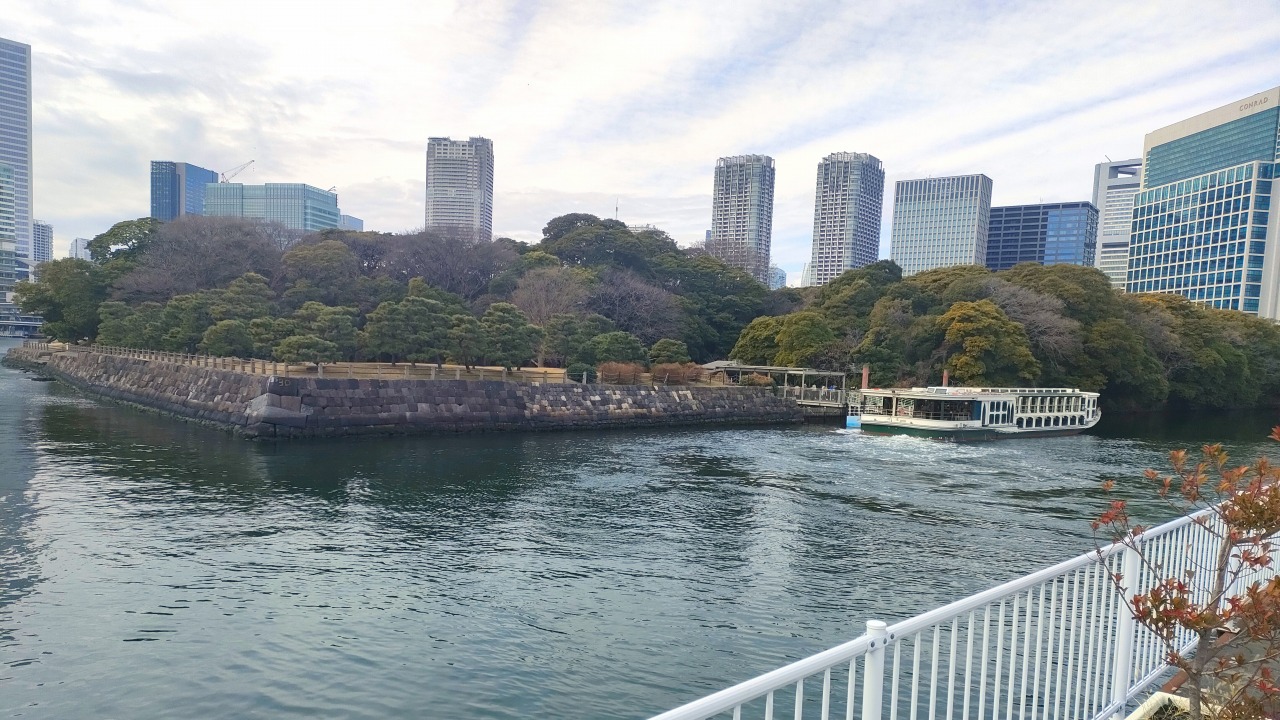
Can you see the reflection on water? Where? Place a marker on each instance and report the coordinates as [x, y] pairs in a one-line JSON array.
[[156, 565]]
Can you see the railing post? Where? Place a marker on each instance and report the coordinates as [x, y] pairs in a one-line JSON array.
[[873, 670], [1126, 629]]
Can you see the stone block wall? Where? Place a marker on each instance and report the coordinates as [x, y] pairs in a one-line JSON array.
[[262, 406]]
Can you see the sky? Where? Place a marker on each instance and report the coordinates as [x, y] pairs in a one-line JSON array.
[[599, 105]]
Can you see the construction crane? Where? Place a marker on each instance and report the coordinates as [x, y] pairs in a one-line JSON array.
[[226, 176]]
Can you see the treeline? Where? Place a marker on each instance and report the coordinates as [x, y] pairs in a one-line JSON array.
[[590, 292], [1058, 325]]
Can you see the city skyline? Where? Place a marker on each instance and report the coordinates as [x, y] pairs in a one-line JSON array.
[[593, 106]]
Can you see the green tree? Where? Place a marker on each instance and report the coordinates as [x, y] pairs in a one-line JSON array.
[[308, 349], [987, 347], [184, 320], [245, 298], [336, 325], [426, 324], [617, 346], [267, 333], [667, 350], [802, 336], [328, 266], [227, 338], [66, 295], [419, 288], [758, 343], [567, 338], [386, 333], [468, 340], [512, 340], [120, 249], [124, 326]]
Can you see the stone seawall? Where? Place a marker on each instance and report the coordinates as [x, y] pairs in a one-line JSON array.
[[262, 406]]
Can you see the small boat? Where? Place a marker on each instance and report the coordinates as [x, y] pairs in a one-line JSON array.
[[966, 414]]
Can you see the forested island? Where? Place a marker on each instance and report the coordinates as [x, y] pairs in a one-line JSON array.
[[592, 291]]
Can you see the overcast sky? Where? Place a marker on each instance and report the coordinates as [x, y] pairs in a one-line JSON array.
[[592, 103]]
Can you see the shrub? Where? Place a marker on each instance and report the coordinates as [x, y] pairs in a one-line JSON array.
[[617, 347], [667, 351], [620, 373], [756, 380], [676, 373], [578, 371]]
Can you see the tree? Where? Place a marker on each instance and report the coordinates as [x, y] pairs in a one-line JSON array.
[[512, 340], [617, 346], [121, 325], [328, 266], [455, 261], [306, 348], [196, 253], [547, 291], [802, 336], [66, 294], [567, 339], [426, 324], [336, 325], [987, 347], [267, 333], [650, 313], [119, 249], [184, 320], [667, 350], [758, 343], [227, 338], [468, 340], [1239, 509], [247, 297], [386, 333]]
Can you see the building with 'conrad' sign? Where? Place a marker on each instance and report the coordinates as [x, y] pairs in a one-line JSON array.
[[1202, 223]]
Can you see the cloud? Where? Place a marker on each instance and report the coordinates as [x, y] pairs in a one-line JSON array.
[[595, 103]]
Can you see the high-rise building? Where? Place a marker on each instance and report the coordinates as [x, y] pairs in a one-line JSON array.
[[178, 188], [742, 213], [848, 203], [940, 222], [1048, 234], [460, 185], [15, 139], [8, 225], [1114, 185], [351, 222], [41, 242], [294, 205], [1202, 221], [777, 277], [79, 249]]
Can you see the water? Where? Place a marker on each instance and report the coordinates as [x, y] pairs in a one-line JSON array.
[[154, 568]]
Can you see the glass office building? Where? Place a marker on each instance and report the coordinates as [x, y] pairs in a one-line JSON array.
[[41, 242], [940, 222], [1048, 234], [1202, 225], [15, 139], [294, 205], [742, 214], [848, 204], [1114, 185], [177, 189], [8, 234]]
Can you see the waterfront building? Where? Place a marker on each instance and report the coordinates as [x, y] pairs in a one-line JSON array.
[[1114, 185], [41, 242], [940, 222], [15, 140], [8, 234], [460, 185], [79, 249], [848, 204], [295, 205], [1202, 222], [178, 188], [742, 213], [351, 222], [1048, 234], [777, 277]]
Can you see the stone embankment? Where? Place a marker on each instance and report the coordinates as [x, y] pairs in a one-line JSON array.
[[271, 406]]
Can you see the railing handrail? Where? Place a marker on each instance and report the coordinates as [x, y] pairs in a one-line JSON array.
[[790, 674]]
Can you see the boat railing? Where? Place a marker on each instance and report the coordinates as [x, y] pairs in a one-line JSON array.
[[1058, 643], [918, 414]]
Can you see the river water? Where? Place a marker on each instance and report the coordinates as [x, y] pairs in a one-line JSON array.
[[154, 568]]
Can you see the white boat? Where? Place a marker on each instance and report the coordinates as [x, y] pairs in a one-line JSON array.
[[965, 414]]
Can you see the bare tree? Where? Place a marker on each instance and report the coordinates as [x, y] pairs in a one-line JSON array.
[[452, 260], [199, 253], [543, 292], [1054, 338], [648, 312]]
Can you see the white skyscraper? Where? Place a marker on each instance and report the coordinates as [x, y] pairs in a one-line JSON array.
[[41, 242], [848, 203], [79, 249], [940, 222], [15, 139], [460, 185], [1114, 185], [742, 214]]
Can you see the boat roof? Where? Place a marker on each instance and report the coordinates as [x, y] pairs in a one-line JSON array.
[[964, 393]]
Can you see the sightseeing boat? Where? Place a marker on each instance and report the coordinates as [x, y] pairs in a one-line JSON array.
[[965, 414]]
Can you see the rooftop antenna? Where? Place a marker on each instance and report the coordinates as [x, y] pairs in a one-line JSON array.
[[1108, 157]]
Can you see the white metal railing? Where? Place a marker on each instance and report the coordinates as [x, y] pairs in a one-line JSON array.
[[833, 397], [1059, 644]]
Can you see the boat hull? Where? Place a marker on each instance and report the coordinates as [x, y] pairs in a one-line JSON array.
[[966, 434]]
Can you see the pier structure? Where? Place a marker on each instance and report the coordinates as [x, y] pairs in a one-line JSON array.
[[819, 393]]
